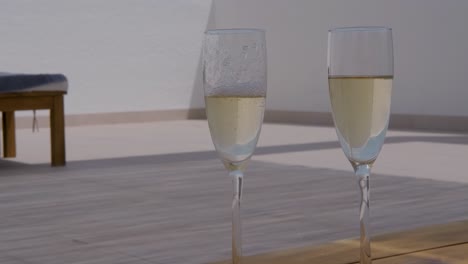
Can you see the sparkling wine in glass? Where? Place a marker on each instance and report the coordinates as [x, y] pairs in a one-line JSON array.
[[234, 77], [360, 74]]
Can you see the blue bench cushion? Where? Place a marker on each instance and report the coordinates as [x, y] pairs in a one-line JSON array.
[[14, 82]]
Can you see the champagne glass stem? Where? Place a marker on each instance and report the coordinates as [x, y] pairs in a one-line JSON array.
[[237, 178], [363, 172]]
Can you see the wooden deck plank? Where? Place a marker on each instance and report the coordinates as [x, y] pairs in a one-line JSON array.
[[383, 246], [422, 239], [447, 255]]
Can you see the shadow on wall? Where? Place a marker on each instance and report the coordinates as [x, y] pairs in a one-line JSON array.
[[197, 104]]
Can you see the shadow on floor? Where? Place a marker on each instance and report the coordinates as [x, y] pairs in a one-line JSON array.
[[207, 155]]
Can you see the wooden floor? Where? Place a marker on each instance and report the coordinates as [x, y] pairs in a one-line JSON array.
[[174, 208]]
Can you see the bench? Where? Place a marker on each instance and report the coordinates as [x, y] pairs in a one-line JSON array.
[[34, 92]]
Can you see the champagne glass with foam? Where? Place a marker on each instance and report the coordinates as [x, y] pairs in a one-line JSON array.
[[360, 74], [234, 77]]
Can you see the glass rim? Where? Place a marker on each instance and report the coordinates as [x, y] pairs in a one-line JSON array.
[[357, 29], [222, 31]]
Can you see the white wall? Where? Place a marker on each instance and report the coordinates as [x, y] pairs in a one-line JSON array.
[[119, 55], [137, 55], [430, 42]]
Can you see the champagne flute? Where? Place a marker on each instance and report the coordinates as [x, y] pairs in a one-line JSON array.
[[360, 74], [234, 78]]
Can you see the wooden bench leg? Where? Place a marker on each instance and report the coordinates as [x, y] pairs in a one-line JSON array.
[[9, 138], [57, 132]]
